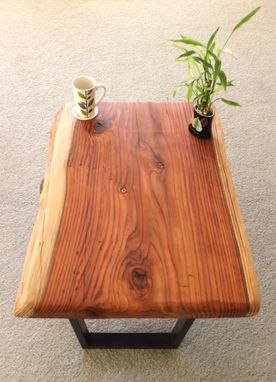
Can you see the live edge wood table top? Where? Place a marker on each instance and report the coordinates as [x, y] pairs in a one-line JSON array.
[[137, 218]]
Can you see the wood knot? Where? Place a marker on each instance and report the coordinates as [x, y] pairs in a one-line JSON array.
[[123, 190], [99, 126], [160, 165], [139, 278]]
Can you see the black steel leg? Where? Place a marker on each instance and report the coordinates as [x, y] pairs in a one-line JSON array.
[[131, 340], [180, 329], [81, 332]]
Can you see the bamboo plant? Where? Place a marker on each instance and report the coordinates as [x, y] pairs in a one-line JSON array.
[[207, 79]]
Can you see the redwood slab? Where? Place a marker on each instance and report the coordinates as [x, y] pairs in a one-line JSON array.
[[137, 218]]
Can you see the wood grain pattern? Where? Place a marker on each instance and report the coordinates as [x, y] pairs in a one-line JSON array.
[[150, 225]]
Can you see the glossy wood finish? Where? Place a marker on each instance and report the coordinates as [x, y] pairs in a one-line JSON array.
[[148, 224]]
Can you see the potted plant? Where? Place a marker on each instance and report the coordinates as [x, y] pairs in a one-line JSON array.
[[206, 77]]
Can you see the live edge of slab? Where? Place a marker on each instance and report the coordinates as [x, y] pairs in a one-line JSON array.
[[137, 218]]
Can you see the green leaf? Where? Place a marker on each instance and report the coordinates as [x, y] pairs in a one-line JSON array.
[[90, 92], [84, 113], [204, 63], [81, 95], [223, 79], [173, 92], [186, 54], [189, 92], [217, 67], [210, 50], [212, 47], [218, 89], [172, 43], [90, 103], [211, 39], [231, 103], [245, 19], [190, 41], [190, 71], [215, 57], [177, 88], [175, 41]]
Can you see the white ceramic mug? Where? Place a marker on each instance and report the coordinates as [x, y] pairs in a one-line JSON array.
[[85, 102]]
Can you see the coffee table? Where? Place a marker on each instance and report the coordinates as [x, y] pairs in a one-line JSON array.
[[137, 218]]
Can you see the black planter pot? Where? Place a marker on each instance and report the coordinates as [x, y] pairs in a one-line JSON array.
[[201, 125]]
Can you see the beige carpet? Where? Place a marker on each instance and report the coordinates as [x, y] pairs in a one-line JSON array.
[[43, 45]]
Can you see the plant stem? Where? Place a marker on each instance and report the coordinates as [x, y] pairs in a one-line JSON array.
[[228, 38]]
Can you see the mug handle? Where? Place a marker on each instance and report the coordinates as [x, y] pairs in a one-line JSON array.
[[100, 86]]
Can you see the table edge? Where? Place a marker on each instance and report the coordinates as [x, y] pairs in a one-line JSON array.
[[40, 250], [234, 211]]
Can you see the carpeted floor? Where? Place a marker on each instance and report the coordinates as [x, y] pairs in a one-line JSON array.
[[43, 45]]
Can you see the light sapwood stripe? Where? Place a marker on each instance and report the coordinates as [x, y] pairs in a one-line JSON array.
[[236, 219], [41, 248]]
